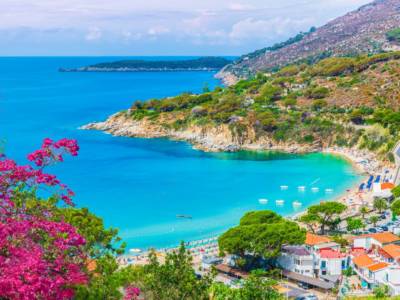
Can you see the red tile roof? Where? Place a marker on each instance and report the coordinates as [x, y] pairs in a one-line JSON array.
[[378, 266], [382, 237], [331, 254], [363, 261], [391, 251], [313, 239]]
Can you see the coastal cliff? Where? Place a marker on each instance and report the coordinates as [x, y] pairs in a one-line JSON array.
[[207, 138]]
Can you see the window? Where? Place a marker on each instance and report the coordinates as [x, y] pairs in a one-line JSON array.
[[343, 264], [323, 264]]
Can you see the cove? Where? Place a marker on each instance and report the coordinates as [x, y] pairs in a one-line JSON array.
[[141, 185]]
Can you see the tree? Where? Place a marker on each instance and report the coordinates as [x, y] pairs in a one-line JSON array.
[[106, 280], [261, 234], [374, 220], [354, 224], [395, 207], [254, 288], [380, 204], [326, 213], [173, 280], [363, 211], [381, 291], [396, 192], [310, 221]]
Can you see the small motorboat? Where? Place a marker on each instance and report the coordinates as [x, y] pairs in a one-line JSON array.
[[315, 190], [184, 216], [297, 203], [301, 188], [284, 187], [279, 202], [329, 191], [263, 201]]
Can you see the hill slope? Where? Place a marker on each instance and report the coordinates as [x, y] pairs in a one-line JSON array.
[[342, 101], [364, 30]]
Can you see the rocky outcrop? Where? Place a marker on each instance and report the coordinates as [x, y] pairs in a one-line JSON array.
[[206, 138]]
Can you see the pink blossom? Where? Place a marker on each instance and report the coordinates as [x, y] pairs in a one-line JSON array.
[[39, 258]]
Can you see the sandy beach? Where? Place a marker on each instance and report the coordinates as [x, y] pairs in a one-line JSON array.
[[364, 162]]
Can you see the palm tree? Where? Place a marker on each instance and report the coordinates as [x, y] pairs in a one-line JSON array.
[[380, 205], [363, 211], [374, 220]]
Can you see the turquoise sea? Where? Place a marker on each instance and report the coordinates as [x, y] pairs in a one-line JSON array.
[[140, 185]]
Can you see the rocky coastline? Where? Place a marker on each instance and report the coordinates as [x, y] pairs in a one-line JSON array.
[[206, 138], [227, 78]]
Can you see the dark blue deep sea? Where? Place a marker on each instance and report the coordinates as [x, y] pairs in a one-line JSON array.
[[140, 185]]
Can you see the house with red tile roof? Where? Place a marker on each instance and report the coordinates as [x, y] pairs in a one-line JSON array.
[[374, 272], [330, 262], [390, 253], [375, 240], [316, 242]]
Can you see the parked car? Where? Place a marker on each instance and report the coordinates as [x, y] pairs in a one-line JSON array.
[[385, 228], [307, 297], [379, 229], [372, 230], [303, 285]]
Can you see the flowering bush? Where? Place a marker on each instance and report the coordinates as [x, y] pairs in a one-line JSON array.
[[39, 258], [131, 293]]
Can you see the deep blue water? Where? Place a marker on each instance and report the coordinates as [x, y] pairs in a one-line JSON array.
[[139, 185]]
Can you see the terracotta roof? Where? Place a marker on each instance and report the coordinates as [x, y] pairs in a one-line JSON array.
[[313, 239], [382, 237], [392, 250], [378, 266], [331, 254], [387, 186], [363, 261]]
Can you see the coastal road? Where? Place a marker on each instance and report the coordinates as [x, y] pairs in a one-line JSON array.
[[396, 153]]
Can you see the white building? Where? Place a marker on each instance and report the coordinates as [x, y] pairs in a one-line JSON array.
[[296, 259], [330, 262]]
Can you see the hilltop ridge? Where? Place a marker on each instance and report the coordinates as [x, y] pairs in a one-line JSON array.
[[363, 31]]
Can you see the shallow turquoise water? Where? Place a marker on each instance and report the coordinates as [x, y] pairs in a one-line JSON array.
[[140, 185]]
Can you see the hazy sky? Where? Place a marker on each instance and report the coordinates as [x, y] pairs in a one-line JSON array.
[[157, 27]]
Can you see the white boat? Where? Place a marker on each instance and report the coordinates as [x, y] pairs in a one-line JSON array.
[[315, 190], [284, 187], [263, 201], [301, 188], [279, 202], [328, 191], [297, 203], [135, 250]]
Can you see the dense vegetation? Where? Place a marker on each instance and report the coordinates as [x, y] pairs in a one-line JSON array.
[[393, 35], [344, 101], [260, 236], [209, 63]]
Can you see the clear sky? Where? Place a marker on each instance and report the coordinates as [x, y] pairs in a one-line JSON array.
[[157, 27]]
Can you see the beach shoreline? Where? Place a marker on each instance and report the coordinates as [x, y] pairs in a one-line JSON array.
[[363, 162]]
